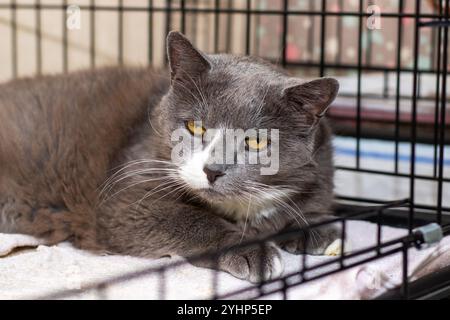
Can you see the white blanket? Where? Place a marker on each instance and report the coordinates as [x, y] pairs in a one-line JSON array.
[[37, 270]]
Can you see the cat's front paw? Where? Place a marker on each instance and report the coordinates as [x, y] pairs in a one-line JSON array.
[[318, 241], [245, 263]]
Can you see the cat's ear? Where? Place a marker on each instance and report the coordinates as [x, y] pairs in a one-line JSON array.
[[184, 58], [313, 97]]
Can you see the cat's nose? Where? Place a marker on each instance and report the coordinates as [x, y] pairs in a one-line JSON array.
[[212, 175]]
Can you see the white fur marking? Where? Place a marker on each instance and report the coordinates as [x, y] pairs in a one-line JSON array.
[[192, 171]]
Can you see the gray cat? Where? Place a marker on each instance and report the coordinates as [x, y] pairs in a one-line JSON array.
[[86, 157]]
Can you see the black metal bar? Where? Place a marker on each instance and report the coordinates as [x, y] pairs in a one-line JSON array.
[[248, 27], [65, 54], [403, 202], [405, 289], [385, 84], [443, 114], [38, 35], [397, 218], [437, 99], [284, 290], [216, 24], [379, 230], [285, 33], [323, 26], [339, 34], [358, 92], [389, 173], [418, 206], [343, 239], [398, 84], [439, 23], [183, 16], [414, 117], [120, 32]]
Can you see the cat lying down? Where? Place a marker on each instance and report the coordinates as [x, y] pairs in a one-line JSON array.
[[126, 160]]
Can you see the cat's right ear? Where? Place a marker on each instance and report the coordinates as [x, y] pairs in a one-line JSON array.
[[184, 59]]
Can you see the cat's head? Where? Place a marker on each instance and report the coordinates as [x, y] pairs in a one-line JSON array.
[[223, 92]]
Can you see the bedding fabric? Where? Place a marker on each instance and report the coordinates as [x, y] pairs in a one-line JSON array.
[[29, 269]]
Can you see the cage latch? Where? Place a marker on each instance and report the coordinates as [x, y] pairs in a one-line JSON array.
[[428, 235]]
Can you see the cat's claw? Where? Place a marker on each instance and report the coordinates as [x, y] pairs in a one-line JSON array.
[[335, 248]]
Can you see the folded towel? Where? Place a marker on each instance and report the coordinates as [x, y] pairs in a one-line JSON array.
[[46, 269]]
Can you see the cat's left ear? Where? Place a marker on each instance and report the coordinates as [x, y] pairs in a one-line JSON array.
[[313, 97], [184, 59]]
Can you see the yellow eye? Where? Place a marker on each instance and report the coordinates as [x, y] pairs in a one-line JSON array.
[[195, 127], [257, 143]]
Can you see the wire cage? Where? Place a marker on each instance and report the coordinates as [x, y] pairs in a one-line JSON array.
[[406, 59]]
